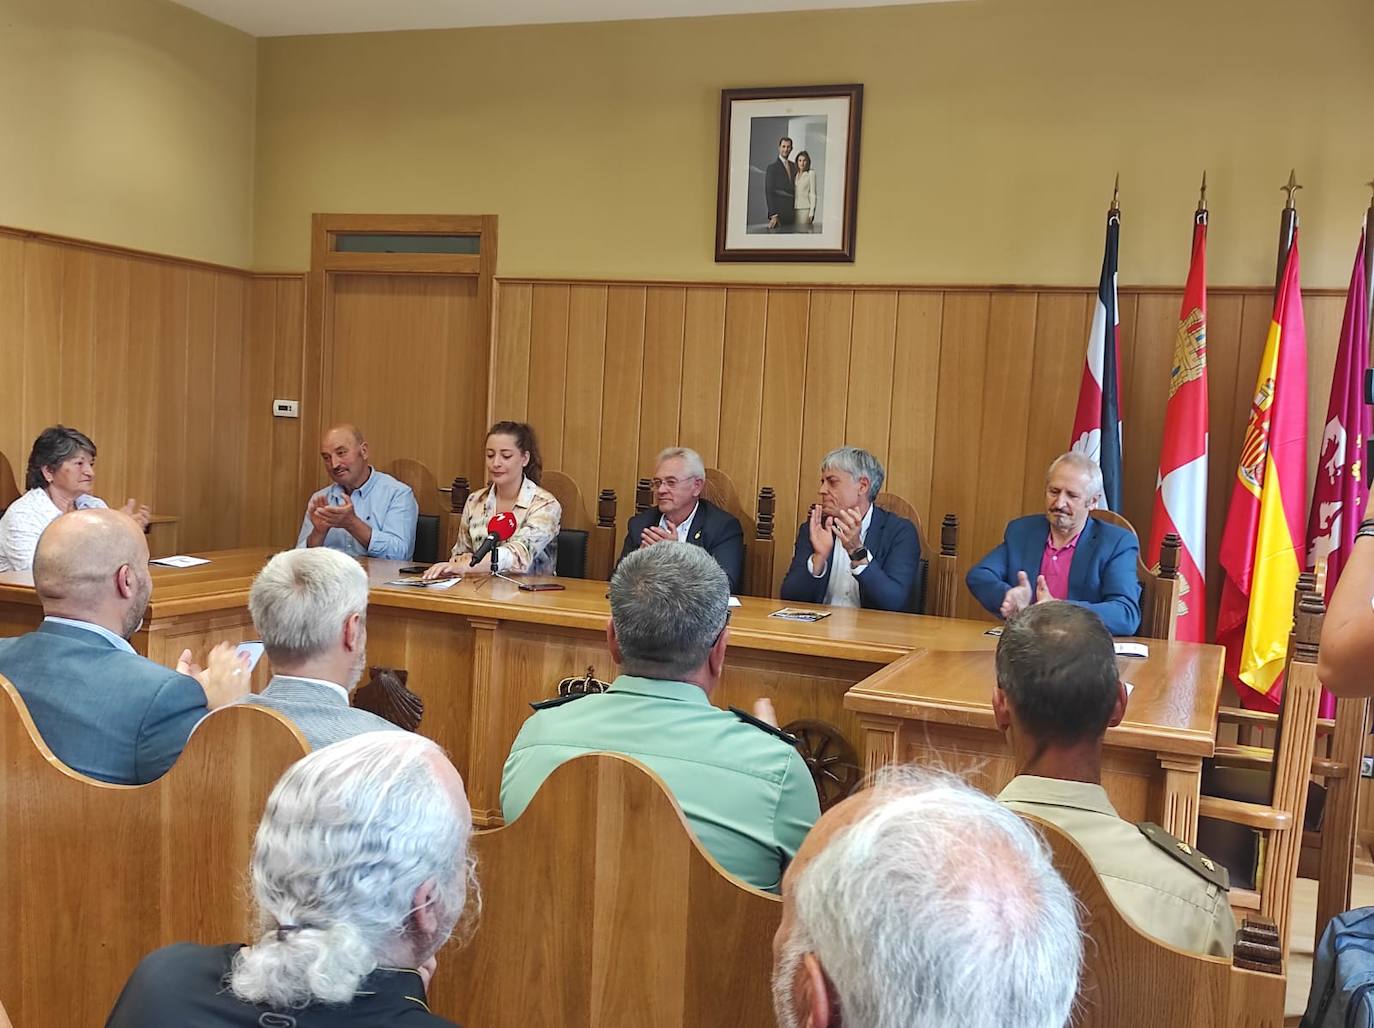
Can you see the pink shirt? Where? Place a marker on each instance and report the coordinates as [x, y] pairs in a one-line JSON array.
[[1055, 563]]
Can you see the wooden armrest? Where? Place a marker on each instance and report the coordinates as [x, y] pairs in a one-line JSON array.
[[1239, 716], [1251, 815], [1259, 758]]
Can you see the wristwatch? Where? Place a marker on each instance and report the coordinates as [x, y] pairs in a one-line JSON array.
[[859, 556]]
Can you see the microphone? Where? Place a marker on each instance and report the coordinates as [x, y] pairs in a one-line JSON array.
[[500, 528]]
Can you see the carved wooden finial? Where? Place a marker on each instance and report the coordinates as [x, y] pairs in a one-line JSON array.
[[1168, 555], [1307, 627], [767, 507], [644, 496], [605, 509], [458, 494], [949, 536], [387, 696]]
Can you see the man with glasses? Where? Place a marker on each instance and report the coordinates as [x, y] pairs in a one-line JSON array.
[[741, 784], [681, 514]]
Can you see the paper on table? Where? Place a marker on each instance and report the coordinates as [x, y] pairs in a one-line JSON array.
[[179, 561], [734, 601], [1132, 650], [415, 583]]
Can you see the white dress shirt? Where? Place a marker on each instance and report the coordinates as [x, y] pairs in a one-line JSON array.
[[843, 588], [683, 528], [24, 522]]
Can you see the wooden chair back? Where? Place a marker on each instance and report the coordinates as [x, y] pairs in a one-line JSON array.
[[1129, 976], [937, 583], [1159, 590], [9, 490], [758, 531], [601, 910], [577, 517], [96, 876]]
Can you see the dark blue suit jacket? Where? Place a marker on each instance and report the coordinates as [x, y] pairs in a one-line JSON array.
[[714, 530], [109, 714], [885, 584], [1102, 576]]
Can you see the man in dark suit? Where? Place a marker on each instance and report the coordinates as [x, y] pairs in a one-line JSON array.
[[683, 515], [850, 553], [779, 188], [1072, 556], [102, 709]]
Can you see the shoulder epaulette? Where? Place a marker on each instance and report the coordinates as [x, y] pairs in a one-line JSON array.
[[1189, 856], [558, 701], [748, 718]]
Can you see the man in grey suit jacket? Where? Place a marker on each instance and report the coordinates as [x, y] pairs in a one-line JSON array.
[[310, 608], [102, 709]]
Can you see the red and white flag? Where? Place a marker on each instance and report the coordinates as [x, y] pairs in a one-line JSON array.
[[1181, 489]]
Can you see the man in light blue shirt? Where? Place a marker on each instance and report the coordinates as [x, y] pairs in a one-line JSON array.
[[364, 512]]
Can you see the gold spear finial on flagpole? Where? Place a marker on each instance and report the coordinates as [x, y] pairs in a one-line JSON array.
[[1116, 194], [1290, 189], [1202, 194]]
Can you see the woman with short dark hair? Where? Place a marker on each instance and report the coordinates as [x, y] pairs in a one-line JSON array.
[[59, 478]]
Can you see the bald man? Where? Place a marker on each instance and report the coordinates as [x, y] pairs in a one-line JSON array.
[[102, 709], [363, 512]]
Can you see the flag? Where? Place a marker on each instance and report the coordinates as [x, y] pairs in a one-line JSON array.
[[1097, 420], [1181, 489], [1339, 495], [1260, 555]]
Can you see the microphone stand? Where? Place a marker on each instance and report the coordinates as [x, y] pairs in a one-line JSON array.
[[495, 565]]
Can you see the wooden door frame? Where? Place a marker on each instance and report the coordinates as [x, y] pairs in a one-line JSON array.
[[326, 264]]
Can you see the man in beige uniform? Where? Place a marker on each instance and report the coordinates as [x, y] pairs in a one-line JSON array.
[[1057, 693]]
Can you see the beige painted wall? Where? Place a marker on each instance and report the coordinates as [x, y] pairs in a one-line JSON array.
[[992, 130], [128, 122]]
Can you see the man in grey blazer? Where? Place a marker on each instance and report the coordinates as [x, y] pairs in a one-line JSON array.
[[310, 609], [102, 709]]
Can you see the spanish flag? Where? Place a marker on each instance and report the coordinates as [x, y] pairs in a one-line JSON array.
[[1261, 546]]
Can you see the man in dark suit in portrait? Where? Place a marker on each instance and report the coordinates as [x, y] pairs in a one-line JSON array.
[[102, 709], [779, 189], [681, 514], [850, 553]]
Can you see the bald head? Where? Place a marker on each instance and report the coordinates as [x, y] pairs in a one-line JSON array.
[[92, 565], [344, 452]]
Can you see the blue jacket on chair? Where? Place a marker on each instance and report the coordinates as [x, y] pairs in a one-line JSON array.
[[884, 585], [1102, 576], [104, 712]]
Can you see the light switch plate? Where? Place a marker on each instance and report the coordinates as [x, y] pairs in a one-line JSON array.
[[286, 408]]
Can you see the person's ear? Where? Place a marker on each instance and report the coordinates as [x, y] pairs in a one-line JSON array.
[[613, 643], [126, 584], [1119, 707], [422, 913], [1001, 709], [353, 633], [715, 660], [526, 461], [48, 474], [362, 449], [815, 1006]]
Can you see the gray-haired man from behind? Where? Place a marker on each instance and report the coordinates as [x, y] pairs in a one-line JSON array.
[[361, 869], [922, 902], [310, 609]]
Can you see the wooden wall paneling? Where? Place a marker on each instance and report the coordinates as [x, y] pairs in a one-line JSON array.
[[781, 425], [621, 407], [741, 393], [959, 444], [583, 389], [665, 322], [200, 492], [1006, 404], [227, 455], [1128, 307], [1145, 404], [13, 355], [288, 494], [147, 281], [109, 349], [915, 397], [310, 476], [169, 448], [825, 394], [256, 382], [469, 367], [42, 398], [703, 358], [510, 354], [76, 359], [872, 345], [548, 369], [1062, 321]]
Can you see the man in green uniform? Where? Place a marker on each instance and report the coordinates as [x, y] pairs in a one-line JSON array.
[[1057, 693], [740, 782]]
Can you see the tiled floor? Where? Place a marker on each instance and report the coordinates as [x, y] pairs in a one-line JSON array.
[[1301, 942]]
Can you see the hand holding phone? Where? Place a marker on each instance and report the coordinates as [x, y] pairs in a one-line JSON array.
[[251, 650]]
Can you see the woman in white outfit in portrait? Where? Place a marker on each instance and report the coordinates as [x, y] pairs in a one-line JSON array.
[[804, 188]]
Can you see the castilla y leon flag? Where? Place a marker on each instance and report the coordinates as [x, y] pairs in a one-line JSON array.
[[1339, 494], [1181, 490], [1261, 551], [1097, 419]]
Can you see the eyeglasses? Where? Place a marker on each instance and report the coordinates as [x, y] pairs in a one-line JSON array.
[[671, 483], [722, 627]]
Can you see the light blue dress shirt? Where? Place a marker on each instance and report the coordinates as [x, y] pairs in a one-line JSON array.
[[116, 641], [385, 504]]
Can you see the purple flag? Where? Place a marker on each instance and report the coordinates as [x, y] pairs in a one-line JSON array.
[[1339, 495]]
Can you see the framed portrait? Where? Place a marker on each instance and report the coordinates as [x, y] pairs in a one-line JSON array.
[[789, 173]]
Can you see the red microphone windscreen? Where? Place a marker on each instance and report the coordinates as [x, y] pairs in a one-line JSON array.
[[502, 525]]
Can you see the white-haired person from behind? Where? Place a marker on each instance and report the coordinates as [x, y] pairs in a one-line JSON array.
[[922, 903], [361, 869]]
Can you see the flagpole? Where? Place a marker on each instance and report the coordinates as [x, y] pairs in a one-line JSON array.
[[1288, 223], [1369, 260]]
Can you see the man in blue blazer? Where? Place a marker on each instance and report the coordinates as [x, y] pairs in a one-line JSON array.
[[102, 709], [681, 514], [850, 553], [1071, 556]]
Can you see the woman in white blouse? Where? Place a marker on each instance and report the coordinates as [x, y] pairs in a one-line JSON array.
[[59, 478], [804, 188], [513, 469]]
